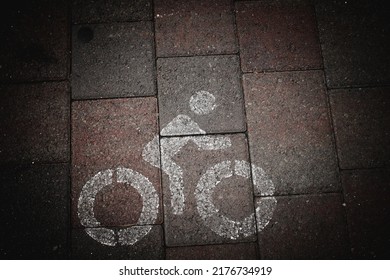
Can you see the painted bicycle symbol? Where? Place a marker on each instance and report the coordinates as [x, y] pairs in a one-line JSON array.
[[200, 103]]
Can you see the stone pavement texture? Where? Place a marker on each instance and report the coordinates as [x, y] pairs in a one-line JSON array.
[[161, 129]]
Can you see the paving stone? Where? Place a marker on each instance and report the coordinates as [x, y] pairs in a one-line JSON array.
[[306, 227], [113, 60], [355, 43], [34, 122], [148, 248], [277, 35], [194, 27], [206, 94], [34, 211], [34, 37], [108, 135], [361, 120], [367, 197], [205, 198], [91, 11], [289, 130], [240, 251]]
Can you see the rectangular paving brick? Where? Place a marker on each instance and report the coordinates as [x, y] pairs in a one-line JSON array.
[[277, 35], [208, 195], [35, 38], [34, 211], [108, 135], [194, 27], [355, 43], [290, 136], [205, 92], [113, 60], [361, 120], [239, 251], [367, 197], [34, 122], [148, 248], [87, 11], [305, 227]]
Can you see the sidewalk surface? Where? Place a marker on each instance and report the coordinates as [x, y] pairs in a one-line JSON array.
[[195, 129]]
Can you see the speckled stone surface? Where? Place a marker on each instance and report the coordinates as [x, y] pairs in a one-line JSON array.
[[35, 36], [361, 120], [194, 27], [108, 134], [306, 227], [367, 198], [148, 248], [182, 80], [91, 11], [231, 196], [277, 35], [355, 42], [34, 212], [239, 251], [34, 122], [290, 135], [113, 60]]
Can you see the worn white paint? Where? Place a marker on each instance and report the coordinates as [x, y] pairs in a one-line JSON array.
[[103, 235], [262, 183], [221, 224], [126, 236], [265, 208], [182, 125], [217, 222], [151, 152], [169, 148], [87, 197], [131, 235], [202, 102]]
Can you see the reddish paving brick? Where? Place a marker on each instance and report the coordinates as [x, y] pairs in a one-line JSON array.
[[361, 119], [87, 11], [306, 227], [367, 197], [34, 37], [277, 35], [190, 218], [194, 27], [148, 248], [240, 251], [109, 134], [34, 212], [205, 89], [113, 60], [290, 135], [355, 43], [34, 122]]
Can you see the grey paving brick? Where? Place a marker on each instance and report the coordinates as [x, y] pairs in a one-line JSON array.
[[194, 27], [290, 135], [148, 248], [113, 60], [367, 198], [91, 11], [35, 38], [239, 251], [306, 227], [277, 35], [34, 122], [361, 120], [201, 93], [355, 42], [34, 213]]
